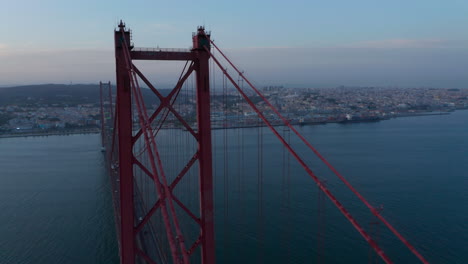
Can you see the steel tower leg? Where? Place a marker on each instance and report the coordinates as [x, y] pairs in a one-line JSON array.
[[124, 115], [204, 148]]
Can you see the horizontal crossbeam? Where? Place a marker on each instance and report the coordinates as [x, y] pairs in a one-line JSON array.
[[161, 55]]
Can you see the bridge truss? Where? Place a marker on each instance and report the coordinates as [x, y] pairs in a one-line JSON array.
[[163, 165]]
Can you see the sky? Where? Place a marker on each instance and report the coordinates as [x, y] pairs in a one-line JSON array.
[[292, 43]]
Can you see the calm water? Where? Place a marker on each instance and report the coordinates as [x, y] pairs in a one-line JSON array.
[[55, 201], [56, 205]]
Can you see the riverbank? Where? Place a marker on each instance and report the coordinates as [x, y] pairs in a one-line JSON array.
[[324, 122], [52, 133], [216, 126]]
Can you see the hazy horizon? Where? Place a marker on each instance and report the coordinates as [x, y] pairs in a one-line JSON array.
[[398, 43]]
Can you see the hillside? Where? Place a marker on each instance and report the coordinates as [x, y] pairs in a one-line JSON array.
[[60, 94]]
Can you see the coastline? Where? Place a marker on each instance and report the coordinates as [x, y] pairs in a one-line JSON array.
[[217, 127], [52, 133]]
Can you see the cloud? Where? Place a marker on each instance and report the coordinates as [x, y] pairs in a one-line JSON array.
[[327, 66], [401, 43], [3, 48], [62, 66]]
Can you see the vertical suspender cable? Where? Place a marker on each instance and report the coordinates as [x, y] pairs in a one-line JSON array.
[[321, 226], [371, 208], [340, 207], [144, 122], [225, 172], [239, 156], [285, 189], [261, 224]]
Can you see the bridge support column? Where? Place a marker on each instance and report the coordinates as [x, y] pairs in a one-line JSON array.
[[124, 119], [204, 146]]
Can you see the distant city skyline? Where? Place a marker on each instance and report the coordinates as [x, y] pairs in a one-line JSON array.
[[298, 44]]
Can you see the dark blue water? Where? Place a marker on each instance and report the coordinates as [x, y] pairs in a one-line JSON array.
[[55, 200], [415, 167]]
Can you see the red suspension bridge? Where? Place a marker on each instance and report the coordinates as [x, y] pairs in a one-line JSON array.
[[167, 164]]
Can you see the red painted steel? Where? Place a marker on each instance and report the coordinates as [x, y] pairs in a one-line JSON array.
[[286, 122], [162, 55], [156, 175], [171, 187], [201, 50], [124, 127], [340, 207], [146, 127], [128, 87]]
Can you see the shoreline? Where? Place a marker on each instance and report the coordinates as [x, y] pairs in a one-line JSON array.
[[52, 133], [312, 123]]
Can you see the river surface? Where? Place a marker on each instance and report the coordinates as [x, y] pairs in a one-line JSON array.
[[55, 199]]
